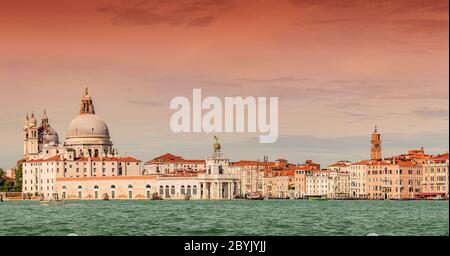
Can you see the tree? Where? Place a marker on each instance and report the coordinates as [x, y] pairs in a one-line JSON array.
[[18, 179], [2, 179], [8, 185]]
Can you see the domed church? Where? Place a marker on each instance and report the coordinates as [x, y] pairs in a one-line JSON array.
[[87, 136], [86, 167]]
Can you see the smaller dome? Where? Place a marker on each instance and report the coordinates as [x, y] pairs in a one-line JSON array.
[[48, 135]]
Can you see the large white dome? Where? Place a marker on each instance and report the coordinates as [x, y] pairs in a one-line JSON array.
[[87, 125]]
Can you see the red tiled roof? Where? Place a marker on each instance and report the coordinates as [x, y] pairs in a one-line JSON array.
[[51, 159], [440, 157], [252, 163], [170, 158], [339, 164], [371, 162]]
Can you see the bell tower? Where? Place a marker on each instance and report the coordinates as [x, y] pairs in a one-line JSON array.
[[87, 105], [375, 149], [30, 131]]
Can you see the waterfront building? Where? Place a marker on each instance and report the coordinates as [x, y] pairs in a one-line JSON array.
[[251, 175], [300, 181], [321, 183], [279, 184], [395, 179], [357, 173], [343, 178], [435, 179]]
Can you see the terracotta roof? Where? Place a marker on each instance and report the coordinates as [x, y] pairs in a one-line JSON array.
[[275, 173], [51, 159], [440, 157], [245, 163], [371, 162], [252, 163], [340, 164], [170, 158], [405, 163]]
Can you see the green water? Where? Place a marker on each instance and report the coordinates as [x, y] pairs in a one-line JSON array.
[[240, 217]]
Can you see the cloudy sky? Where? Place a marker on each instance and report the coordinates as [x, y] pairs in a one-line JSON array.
[[338, 68]]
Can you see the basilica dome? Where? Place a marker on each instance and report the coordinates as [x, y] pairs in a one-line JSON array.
[[87, 132], [88, 125]]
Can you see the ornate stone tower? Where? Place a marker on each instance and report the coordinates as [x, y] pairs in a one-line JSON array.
[[87, 106], [375, 149], [30, 132], [217, 163]]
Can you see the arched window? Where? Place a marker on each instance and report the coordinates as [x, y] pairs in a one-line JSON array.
[[194, 190], [161, 190], [167, 191], [172, 190], [148, 186], [188, 189], [183, 190], [64, 187], [96, 154]]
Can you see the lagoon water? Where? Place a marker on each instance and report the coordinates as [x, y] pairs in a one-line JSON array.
[[222, 218]]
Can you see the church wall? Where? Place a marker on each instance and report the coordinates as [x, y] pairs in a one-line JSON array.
[[117, 188]]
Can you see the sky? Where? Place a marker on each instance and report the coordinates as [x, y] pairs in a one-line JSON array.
[[338, 67]]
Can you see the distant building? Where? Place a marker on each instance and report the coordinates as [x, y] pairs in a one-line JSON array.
[[279, 184], [251, 175], [435, 180], [11, 173], [342, 169]]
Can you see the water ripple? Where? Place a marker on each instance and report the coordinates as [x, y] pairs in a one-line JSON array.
[[208, 218]]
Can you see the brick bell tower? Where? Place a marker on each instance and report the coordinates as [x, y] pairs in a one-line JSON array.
[[375, 149]]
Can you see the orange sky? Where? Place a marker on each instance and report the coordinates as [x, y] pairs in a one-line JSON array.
[[339, 68]]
